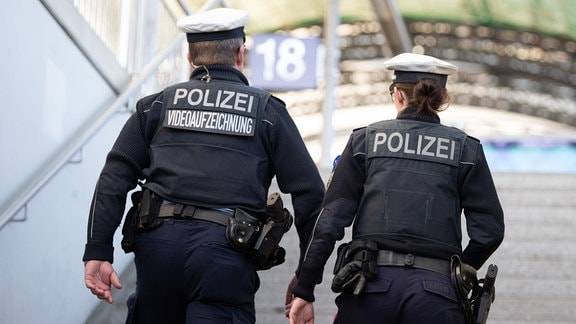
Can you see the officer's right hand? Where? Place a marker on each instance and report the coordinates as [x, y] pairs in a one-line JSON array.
[[302, 312], [99, 276]]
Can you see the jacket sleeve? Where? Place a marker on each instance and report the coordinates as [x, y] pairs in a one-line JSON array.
[[295, 170], [481, 206], [338, 212], [120, 174]]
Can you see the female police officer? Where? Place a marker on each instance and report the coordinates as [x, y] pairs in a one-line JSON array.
[[403, 184], [208, 149]]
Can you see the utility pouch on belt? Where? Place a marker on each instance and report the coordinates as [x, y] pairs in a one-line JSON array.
[[242, 230], [148, 212], [356, 263], [142, 216]]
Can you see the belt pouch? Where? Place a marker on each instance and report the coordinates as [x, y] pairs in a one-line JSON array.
[[341, 257], [149, 209], [242, 230], [129, 227]]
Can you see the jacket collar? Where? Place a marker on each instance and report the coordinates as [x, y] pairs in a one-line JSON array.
[[218, 72], [412, 114]]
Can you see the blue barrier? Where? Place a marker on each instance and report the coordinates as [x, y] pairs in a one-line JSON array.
[[540, 156]]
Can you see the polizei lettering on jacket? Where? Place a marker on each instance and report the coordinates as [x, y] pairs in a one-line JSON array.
[[413, 145], [212, 110]]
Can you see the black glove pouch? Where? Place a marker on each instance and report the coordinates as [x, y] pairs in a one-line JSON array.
[[356, 263]]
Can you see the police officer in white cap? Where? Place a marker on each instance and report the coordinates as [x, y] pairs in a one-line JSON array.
[[206, 151], [403, 185]]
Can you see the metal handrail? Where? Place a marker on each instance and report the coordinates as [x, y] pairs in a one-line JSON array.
[[15, 204], [28, 191]]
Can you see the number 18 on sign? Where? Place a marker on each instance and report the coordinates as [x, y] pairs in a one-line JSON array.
[[279, 62]]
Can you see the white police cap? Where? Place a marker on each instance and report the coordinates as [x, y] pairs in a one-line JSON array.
[[215, 24], [410, 68]]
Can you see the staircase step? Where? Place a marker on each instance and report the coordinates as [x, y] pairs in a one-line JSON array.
[[536, 280]]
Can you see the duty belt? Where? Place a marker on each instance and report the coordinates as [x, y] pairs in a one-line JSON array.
[[391, 258], [191, 212]]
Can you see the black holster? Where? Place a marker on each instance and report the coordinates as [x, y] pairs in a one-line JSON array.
[[259, 240], [475, 295], [484, 295], [356, 263], [268, 252], [465, 282]]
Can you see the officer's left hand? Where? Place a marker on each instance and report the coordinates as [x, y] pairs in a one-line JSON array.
[[289, 296], [99, 276]]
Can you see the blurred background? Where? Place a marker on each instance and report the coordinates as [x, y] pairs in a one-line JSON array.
[[72, 71]]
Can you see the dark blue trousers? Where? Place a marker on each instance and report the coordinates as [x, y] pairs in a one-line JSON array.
[[402, 296], [187, 273]]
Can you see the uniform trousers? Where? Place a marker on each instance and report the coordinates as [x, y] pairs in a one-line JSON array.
[[402, 295], [187, 273]]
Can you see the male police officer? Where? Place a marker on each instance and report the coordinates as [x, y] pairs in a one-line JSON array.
[[207, 150], [404, 183]]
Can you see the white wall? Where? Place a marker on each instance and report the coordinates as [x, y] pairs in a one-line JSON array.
[[48, 89]]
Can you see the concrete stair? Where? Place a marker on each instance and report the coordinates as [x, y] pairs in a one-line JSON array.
[[536, 281]]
